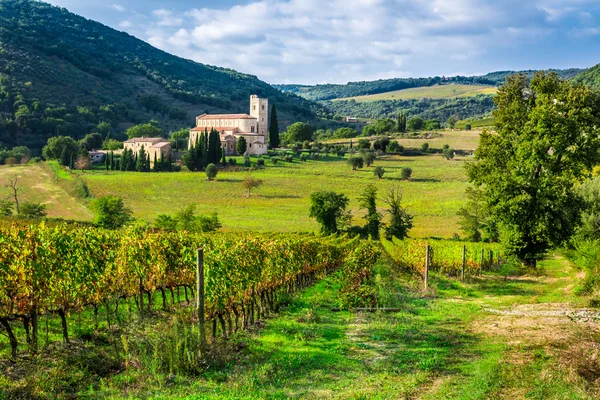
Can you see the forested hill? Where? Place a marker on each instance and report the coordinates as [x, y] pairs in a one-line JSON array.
[[63, 74], [352, 89], [590, 77]]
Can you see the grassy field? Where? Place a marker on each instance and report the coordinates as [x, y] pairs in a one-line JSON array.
[[38, 185], [433, 195], [429, 92]]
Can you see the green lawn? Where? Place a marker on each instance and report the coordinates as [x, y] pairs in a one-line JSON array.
[[429, 92], [433, 195]]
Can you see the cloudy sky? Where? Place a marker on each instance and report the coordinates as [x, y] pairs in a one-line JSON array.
[[336, 41]]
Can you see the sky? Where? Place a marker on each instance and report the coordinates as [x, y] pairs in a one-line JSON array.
[[338, 41]]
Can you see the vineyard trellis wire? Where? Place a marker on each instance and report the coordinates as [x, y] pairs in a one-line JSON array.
[[63, 269], [448, 257]]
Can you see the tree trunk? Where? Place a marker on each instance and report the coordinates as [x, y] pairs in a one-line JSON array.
[[14, 344], [63, 321], [223, 326], [164, 297], [34, 330], [530, 263]]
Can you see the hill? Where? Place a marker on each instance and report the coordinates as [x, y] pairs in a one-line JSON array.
[[428, 92], [353, 89], [63, 74], [590, 77]]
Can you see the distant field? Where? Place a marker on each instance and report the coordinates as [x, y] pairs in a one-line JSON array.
[[37, 185], [430, 92], [457, 139], [434, 195]]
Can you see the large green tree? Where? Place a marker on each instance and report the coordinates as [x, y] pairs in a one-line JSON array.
[[144, 130], [110, 212], [61, 148], [368, 201], [298, 132], [241, 146], [274, 129], [546, 140], [329, 208]]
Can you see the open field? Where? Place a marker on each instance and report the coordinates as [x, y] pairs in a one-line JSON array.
[[37, 185], [433, 195], [428, 92]]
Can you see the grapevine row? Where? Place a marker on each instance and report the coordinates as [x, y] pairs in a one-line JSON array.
[[64, 269]]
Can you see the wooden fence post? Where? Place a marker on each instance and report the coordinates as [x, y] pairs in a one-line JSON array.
[[464, 262], [481, 264], [426, 266], [141, 282], [200, 294]]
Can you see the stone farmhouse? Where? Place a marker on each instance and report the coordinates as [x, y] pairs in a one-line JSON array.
[[152, 146], [253, 127]]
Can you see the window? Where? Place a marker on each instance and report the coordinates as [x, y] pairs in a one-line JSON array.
[[250, 145], [252, 129], [254, 107], [263, 108]]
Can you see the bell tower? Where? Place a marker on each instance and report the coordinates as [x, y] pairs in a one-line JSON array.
[[259, 109]]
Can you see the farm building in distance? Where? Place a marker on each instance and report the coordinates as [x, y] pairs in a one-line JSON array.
[[253, 127], [158, 147]]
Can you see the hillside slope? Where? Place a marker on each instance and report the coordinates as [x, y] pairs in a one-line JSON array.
[[590, 77], [63, 74], [353, 89]]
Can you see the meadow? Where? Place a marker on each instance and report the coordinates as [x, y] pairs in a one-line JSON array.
[[428, 92], [433, 195]]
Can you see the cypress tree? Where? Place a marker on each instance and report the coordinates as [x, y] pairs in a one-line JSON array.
[[71, 162], [170, 162], [123, 161], [156, 166], [106, 162], [132, 161], [274, 129], [223, 160], [147, 163]]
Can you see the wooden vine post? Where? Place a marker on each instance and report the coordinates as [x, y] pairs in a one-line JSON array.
[[481, 265], [200, 294], [464, 262], [426, 266]]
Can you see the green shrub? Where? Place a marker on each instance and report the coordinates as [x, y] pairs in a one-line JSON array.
[[378, 172], [260, 162], [211, 171], [303, 157], [406, 173]]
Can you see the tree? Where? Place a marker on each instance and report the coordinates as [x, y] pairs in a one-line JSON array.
[[211, 172], [356, 162], [448, 153], [110, 212], [381, 144], [368, 201], [165, 222], [400, 221], [401, 124], [83, 162], [298, 132], [364, 144], [548, 135], [415, 124], [30, 210], [467, 127], [180, 138], [140, 163], [425, 147], [61, 148], [13, 184], [394, 147], [378, 172], [112, 144], [250, 183], [92, 141], [369, 158], [406, 173], [329, 208], [144, 130], [273, 129], [241, 146], [452, 120], [104, 128]]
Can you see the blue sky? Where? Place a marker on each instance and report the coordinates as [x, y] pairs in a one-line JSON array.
[[336, 41]]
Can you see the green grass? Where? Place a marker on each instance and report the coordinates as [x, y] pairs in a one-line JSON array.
[[38, 185], [429, 92], [434, 194]]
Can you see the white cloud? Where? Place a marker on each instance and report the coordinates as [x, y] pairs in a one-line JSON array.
[[118, 7], [125, 24], [343, 40]]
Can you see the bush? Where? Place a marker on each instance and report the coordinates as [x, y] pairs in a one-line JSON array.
[[30, 210], [315, 156], [448, 153], [378, 172], [260, 162], [211, 171], [425, 148], [289, 158], [232, 162], [247, 162], [467, 127], [356, 162], [110, 212], [406, 173], [369, 158], [394, 147], [303, 157], [274, 160]]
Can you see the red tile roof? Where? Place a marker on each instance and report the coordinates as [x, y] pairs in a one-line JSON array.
[[226, 116], [217, 128], [146, 140]]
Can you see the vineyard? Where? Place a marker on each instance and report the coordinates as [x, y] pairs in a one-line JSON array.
[[445, 256], [62, 270]]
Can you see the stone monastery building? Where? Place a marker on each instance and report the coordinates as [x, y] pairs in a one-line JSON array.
[[253, 127]]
